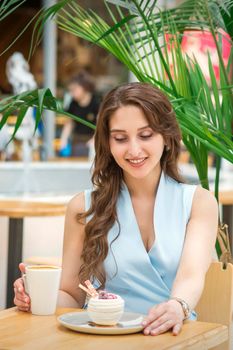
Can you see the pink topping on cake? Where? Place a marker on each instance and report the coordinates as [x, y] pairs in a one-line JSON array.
[[105, 295]]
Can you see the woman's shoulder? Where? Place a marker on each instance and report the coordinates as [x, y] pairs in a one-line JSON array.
[[204, 201], [200, 194], [80, 202], [77, 204], [206, 196]]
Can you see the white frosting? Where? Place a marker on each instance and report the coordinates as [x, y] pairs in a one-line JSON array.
[[106, 305], [105, 311]]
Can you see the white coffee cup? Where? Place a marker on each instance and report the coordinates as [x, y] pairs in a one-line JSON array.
[[42, 284]]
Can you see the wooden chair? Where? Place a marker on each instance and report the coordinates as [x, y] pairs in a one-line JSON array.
[[216, 303]]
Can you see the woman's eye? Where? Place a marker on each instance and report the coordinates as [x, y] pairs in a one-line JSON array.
[[146, 136], [120, 139]]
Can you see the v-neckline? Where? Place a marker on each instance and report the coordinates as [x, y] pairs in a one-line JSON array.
[[155, 216]]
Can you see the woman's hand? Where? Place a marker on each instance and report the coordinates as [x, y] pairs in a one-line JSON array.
[[165, 316], [21, 299]]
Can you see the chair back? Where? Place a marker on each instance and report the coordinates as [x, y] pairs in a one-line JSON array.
[[216, 303]]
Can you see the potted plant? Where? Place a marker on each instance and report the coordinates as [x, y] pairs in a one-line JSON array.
[[137, 35]]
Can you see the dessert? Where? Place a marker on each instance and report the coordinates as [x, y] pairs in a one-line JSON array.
[[103, 308], [106, 308]]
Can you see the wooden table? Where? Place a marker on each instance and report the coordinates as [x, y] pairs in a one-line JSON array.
[[19, 330], [16, 211]]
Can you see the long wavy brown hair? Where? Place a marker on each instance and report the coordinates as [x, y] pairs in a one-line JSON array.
[[107, 175]]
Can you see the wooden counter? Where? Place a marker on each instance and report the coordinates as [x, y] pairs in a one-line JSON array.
[[23, 331]]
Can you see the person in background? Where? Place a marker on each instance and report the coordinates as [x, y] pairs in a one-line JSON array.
[[76, 137], [140, 232]]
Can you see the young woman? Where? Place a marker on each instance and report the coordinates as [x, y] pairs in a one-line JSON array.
[[140, 232]]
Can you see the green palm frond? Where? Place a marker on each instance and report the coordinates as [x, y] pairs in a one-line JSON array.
[[195, 14], [6, 8], [9, 6], [41, 99]]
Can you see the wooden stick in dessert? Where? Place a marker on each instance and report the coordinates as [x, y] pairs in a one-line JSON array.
[[91, 288], [86, 290]]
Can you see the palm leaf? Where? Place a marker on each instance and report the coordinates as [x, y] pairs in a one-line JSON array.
[[41, 99], [6, 8], [9, 6]]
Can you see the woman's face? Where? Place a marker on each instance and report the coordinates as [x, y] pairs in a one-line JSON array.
[[136, 148]]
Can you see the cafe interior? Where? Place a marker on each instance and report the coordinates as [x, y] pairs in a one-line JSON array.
[[39, 175]]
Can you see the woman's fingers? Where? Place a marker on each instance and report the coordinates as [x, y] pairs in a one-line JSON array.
[[164, 327], [22, 267], [21, 305], [163, 317], [21, 296], [159, 327], [21, 299], [154, 314], [176, 329], [19, 287]]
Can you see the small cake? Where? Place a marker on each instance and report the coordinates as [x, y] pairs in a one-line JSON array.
[[105, 308]]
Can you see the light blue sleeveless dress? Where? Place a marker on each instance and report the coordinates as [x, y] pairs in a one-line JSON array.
[[143, 278]]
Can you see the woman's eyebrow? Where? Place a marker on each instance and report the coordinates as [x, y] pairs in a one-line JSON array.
[[117, 130], [144, 127], [121, 130]]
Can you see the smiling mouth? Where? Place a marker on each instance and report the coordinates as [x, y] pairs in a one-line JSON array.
[[136, 161]]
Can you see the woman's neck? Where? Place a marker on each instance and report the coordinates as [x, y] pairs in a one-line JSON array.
[[143, 187]]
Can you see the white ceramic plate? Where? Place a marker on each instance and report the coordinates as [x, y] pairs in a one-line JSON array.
[[80, 321]]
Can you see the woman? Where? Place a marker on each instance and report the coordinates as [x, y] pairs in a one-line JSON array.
[[140, 232]]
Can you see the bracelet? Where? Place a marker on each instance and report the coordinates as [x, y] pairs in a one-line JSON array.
[[184, 305]]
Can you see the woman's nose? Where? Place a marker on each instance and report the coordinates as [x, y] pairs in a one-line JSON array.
[[134, 148]]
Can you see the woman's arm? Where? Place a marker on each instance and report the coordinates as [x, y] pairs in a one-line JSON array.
[[198, 248], [70, 294], [195, 260], [66, 300]]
